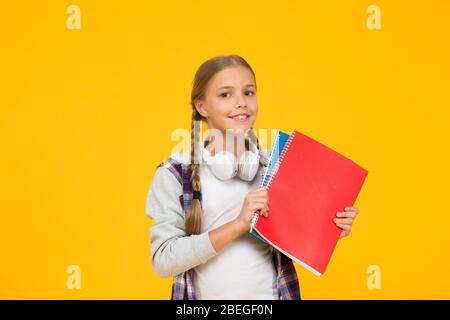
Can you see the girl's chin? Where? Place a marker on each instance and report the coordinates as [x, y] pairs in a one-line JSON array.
[[238, 129], [235, 132]]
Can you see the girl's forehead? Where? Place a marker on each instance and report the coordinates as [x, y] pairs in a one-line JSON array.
[[232, 77]]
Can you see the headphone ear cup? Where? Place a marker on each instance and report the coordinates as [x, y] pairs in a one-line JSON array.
[[223, 165], [248, 165]]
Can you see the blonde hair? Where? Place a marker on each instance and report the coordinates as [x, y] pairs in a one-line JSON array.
[[202, 77]]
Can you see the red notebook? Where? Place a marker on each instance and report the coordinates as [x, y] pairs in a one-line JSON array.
[[310, 185]]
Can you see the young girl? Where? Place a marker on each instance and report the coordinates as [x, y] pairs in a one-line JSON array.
[[202, 201]]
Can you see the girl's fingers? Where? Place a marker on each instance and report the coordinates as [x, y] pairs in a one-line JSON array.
[[346, 220], [258, 204], [350, 214], [351, 209], [346, 227], [264, 213], [260, 190], [258, 198], [261, 207], [343, 221]]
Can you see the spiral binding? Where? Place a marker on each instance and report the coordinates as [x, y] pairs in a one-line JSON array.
[[275, 169], [269, 162]]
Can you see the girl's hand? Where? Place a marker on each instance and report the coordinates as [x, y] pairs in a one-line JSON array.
[[257, 200], [345, 220]]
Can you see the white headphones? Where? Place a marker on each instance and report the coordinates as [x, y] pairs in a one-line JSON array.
[[224, 164]]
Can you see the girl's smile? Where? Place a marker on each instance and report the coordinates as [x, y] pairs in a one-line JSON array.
[[242, 117]]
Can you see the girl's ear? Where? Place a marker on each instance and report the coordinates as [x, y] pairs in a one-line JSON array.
[[200, 106]]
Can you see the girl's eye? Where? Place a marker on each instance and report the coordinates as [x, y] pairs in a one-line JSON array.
[[227, 94]]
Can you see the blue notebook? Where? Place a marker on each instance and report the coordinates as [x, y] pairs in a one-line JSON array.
[[277, 147]]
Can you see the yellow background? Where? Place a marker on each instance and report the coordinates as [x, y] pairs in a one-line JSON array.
[[87, 114]]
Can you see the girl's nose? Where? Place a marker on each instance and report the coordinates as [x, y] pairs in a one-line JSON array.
[[241, 103]]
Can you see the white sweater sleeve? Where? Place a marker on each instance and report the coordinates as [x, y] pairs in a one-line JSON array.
[[172, 250]]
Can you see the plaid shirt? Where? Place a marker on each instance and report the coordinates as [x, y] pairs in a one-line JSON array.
[[183, 284]]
